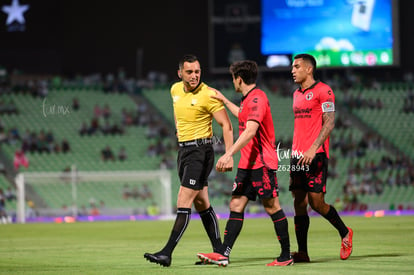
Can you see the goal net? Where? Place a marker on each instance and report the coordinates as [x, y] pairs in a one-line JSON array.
[[85, 195]]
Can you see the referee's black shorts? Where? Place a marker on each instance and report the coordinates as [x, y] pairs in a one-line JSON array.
[[194, 165], [311, 178]]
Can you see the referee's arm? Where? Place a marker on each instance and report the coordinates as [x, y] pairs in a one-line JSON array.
[[224, 121]]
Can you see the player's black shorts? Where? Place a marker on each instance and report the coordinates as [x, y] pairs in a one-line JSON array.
[[311, 179], [260, 182], [194, 165]]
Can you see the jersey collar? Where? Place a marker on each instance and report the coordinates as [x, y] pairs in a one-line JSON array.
[[248, 93], [311, 87], [194, 91]]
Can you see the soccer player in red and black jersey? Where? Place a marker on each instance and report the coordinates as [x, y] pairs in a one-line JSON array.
[[256, 173], [314, 110]]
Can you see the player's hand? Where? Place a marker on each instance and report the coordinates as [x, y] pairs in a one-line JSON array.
[[307, 158], [225, 164]]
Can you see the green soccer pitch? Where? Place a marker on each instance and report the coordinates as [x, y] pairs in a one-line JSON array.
[[381, 246]]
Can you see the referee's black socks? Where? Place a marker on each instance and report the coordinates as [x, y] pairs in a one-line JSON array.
[[181, 222], [210, 222]]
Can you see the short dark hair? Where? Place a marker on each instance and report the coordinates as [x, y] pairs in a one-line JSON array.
[[307, 57], [187, 58], [246, 69]]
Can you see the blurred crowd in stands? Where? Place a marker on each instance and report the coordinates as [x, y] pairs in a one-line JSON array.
[[32, 141], [367, 175], [409, 102], [357, 101], [7, 107]]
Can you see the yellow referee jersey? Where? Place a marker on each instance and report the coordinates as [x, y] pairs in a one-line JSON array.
[[194, 111]]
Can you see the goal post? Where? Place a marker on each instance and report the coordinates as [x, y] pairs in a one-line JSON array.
[[92, 193]]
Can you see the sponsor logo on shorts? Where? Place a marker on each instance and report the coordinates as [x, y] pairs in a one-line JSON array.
[[192, 182]]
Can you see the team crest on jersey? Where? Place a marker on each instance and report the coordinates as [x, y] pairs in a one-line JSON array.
[[309, 96], [328, 107], [193, 101]]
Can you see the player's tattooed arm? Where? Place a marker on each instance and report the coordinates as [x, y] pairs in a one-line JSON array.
[[328, 123]]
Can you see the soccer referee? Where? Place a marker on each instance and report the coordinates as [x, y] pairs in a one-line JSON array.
[[194, 110]]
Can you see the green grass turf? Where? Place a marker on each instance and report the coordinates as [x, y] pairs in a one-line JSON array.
[[381, 246]]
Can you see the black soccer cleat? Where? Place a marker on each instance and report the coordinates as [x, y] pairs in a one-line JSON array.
[[158, 258]]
